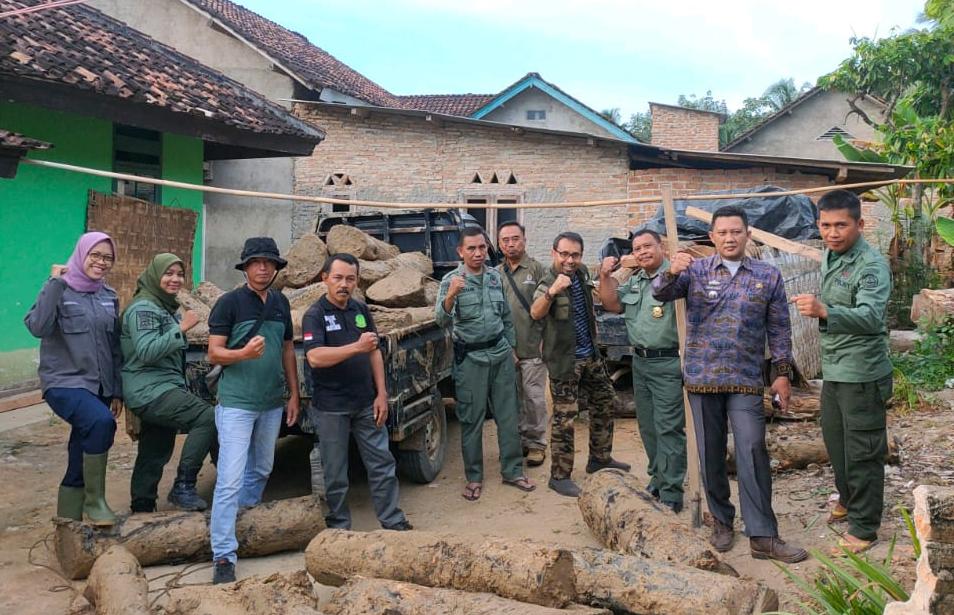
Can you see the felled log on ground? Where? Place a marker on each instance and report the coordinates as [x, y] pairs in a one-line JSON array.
[[630, 584], [805, 405], [117, 584], [799, 453], [208, 293], [519, 569], [420, 314], [170, 537], [276, 594], [932, 306], [405, 287], [416, 260], [305, 259], [363, 596], [370, 272], [625, 518], [354, 241]]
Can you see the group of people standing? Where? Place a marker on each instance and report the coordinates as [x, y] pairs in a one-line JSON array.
[[524, 323], [516, 329]]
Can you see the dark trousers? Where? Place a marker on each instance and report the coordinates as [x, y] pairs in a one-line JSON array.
[[589, 388], [710, 414], [93, 427], [334, 432], [162, 419], [853, 426]]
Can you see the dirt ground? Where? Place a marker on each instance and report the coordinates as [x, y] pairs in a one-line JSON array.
[[33, 454]]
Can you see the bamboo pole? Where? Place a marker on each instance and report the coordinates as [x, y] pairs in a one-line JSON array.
[[397, 205], [695, 492]]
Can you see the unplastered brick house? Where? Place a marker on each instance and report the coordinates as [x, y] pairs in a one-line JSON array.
[[530, 143]]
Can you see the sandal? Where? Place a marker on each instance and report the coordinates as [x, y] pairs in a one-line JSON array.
[[852, 545], [521, 482], [472, 492], [837, 514]]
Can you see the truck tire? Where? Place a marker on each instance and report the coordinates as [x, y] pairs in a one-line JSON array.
[[423, 466]]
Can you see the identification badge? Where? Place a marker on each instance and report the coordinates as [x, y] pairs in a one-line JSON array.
[[360, 321], [712, 294], [331, 323], [657, 311]]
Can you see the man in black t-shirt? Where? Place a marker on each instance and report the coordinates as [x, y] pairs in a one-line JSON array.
[[349, 395]]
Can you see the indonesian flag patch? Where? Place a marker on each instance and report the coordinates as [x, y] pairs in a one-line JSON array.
[[308, 336]]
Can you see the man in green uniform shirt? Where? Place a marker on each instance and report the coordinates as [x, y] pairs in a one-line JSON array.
[[521, 275], [564, 301], [657, 374], [471, 300], [856, 284]]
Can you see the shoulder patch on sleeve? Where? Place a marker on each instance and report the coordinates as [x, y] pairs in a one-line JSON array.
[[147, 321], [869, 281]]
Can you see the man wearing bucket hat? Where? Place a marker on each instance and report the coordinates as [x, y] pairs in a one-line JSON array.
[[250, 335]]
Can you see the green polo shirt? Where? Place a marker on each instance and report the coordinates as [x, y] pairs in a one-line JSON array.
[[480, 313], [526, 275], [651, 323], [854, 338]]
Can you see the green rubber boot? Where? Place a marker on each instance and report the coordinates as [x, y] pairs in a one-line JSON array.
[[69, 503], [95, 508]]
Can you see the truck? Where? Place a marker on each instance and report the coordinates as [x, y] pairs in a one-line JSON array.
[[417, 359]]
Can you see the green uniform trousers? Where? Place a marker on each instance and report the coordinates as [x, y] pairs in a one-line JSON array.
[[661, 414], [479, 385], [589, 388], [173, 411], [854, 429]]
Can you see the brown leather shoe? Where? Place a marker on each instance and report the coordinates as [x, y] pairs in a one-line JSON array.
[[773, 547], [536, 457], [722, 536]]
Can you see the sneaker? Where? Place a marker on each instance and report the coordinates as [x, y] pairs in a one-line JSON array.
[[675, 507], [722, 537], [594, 465], [773, 547], [402, 526], [223, 571], [564, 486], [536, 457]]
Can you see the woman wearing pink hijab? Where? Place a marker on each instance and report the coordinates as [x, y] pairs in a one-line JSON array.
[[76, 318]]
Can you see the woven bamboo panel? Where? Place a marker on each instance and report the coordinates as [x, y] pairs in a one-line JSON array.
[[801, 275], [141, 230]]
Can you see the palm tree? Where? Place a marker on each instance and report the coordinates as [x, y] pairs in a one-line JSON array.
[[780, 94], [613, 115]]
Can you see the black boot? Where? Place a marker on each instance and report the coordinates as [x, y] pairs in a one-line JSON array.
[[183, 494], [139, 505]]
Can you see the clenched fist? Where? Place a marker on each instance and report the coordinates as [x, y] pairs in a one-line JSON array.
[[680, 262], [189, 320], [608, 265], [368, 342], [561, 283]]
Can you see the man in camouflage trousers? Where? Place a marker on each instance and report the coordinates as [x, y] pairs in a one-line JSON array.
[[564, 299]]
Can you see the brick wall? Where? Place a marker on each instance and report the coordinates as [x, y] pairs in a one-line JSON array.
[[682, 128], [409, 159]]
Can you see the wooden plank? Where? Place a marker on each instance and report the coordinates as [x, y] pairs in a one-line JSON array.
[[694, 495], [786, 245], [22, 400]]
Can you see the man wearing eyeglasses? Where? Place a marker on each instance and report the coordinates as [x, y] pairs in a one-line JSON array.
[[564, 299]]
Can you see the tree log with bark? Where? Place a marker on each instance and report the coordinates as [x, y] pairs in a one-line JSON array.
[[343, 238], [518, 569], [117, 584], [176, 536], [363, 596], [625, 518], [276, 594]]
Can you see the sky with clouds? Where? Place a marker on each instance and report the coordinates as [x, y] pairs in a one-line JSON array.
[[607, 53]]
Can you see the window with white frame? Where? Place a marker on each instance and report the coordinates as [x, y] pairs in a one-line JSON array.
[[536, 115]]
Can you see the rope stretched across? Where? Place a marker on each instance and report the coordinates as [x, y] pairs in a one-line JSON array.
[[401, 205]]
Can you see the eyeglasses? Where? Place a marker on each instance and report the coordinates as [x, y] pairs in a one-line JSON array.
[[570, 255], [106, 259]]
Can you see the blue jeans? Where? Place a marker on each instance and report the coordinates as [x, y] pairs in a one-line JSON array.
[[246, 452], [93, 427]]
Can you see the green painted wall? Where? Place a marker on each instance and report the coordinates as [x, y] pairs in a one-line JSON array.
[[182, 161], [43, 211]]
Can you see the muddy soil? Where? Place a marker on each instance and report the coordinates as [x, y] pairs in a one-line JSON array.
[[33, 456]]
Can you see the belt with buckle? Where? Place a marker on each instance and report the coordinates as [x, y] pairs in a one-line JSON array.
[[648, 353]]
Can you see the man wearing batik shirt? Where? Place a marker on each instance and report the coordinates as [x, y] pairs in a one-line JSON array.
[[733, 305]]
